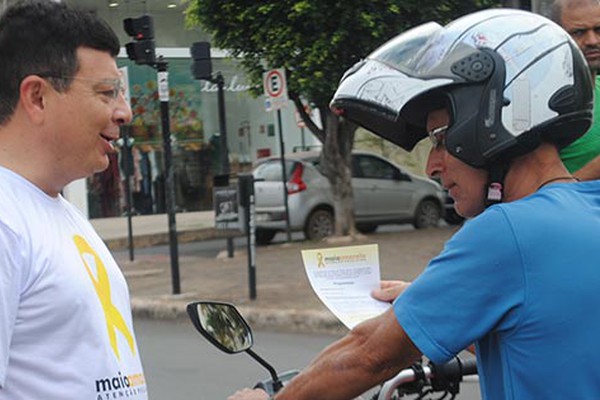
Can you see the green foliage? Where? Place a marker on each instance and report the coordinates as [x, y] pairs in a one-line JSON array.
[[315, 40]]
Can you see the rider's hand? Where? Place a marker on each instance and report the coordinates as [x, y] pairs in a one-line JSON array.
[[249, 394], [389, 290]]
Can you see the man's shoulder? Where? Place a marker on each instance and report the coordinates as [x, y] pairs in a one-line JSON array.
[[530, 208], [551, 201]]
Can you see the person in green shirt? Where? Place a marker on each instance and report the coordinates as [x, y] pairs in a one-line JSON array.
[[581, 19]]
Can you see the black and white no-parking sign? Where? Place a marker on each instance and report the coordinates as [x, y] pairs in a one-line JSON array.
[[275, 88]]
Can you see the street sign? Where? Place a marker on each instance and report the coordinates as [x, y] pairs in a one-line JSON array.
[[275, 88], [226, 207]]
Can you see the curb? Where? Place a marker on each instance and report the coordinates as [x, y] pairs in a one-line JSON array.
[[296, 321], [158, 239]]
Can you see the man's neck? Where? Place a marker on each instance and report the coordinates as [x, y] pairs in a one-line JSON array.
[[22, 153], [531, 171]]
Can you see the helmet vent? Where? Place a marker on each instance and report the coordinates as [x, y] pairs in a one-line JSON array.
[[563, 100], [476, 67]]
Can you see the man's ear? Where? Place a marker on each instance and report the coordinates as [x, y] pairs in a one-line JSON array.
[[32, 97]]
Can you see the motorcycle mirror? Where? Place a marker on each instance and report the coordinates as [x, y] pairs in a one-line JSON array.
[[222, 325]]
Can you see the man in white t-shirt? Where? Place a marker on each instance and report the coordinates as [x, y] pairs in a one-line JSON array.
[[66, 330]]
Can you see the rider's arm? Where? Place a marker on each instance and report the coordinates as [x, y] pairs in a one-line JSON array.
[[371, 353]]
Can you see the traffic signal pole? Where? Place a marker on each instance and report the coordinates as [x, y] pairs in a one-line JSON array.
[[163, 95], [142, 52], [202, 69]]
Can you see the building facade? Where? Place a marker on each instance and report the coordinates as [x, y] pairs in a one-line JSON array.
[[251, 131]]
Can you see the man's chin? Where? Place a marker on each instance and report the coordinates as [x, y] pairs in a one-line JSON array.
[[594, 66], [100, 167], [471, 212]]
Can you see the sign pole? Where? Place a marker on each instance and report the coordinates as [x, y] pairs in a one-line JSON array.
[[284, 178], [275, 88]]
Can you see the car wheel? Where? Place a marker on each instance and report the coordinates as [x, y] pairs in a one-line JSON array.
[[366, 228], [319, 225], [264, 236], [428, 214]]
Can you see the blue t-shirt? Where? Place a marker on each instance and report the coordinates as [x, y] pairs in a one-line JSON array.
[[522, 281]]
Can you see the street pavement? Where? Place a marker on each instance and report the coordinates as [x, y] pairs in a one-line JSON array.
[[284, 299]]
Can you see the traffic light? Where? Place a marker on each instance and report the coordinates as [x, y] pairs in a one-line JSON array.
[[201, 64], [142, 49]]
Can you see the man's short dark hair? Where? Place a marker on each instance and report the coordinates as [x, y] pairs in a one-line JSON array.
[[558, 5], [42, 37]]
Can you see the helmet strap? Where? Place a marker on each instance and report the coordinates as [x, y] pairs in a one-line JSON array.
[[495, 188]]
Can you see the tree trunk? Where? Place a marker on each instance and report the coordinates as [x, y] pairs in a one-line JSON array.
[[337, 137], [336, 160]]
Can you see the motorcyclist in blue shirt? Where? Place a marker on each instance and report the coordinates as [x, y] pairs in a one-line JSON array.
[[498, 92]]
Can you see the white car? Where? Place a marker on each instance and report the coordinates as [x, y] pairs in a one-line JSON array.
[[383, 194]]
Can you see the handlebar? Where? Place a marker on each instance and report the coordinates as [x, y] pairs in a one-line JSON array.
[[418, 380], [439, 377]]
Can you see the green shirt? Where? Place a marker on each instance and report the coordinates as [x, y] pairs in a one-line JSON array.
[[587, 147]]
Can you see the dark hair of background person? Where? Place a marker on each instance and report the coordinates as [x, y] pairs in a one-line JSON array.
[[41, 37]]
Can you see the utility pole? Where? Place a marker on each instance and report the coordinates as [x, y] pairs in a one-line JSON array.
[[202, 69]]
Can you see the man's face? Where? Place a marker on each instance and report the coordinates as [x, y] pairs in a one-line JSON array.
[[583, 24], [465, 184], [85, 119]]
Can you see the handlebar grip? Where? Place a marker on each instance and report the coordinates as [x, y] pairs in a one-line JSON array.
[[455, 369], [469, 367], [447, 377]]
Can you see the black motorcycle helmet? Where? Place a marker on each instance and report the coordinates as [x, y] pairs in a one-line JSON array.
[[509, 78]]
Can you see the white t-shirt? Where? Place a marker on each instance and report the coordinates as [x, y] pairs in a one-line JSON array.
[[65, 319]]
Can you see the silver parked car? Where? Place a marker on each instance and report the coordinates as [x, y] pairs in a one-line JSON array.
[[383, 194]]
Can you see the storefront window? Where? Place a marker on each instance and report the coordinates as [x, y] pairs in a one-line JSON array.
[[196, 152]]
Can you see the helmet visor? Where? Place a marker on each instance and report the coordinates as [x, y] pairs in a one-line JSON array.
[[374, 92]]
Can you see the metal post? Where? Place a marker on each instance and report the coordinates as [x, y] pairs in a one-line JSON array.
[[222, 125], [252, 242], [127, 141], [284, 178], [224, 156], [163, 93], [246, 191]]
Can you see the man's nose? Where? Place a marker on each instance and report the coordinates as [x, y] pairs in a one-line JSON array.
[[435, 160], [590, 38], [122, 113]]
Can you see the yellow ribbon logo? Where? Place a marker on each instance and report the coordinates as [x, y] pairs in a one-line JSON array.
[[114, 319], [320, 263]]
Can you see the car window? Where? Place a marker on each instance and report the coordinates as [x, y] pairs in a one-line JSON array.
[[372, 168], [270, 171]]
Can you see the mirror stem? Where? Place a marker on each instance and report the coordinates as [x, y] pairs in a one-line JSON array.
[[276, 382]]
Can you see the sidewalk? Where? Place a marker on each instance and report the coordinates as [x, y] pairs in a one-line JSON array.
[[151, 230], [285, 301]]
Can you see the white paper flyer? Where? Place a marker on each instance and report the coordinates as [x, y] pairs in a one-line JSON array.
[[343, 279]]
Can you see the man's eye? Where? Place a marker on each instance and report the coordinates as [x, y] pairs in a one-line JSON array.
[[577, 32], [110, 93]]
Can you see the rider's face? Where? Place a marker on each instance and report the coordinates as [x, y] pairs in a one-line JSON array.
[[465, 184]]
